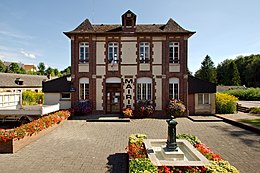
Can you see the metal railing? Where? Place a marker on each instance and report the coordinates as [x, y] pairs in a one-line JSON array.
[[10, 99]]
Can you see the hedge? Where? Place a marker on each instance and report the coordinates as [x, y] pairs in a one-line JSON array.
[[250, 94]]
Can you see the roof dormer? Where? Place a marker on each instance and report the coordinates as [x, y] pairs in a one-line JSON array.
[[128, 21]]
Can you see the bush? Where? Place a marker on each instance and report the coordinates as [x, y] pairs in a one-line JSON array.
[[221, 166], [251, 94], [82, 107], [142, 165], [137, 138], [191, 138], [225, 103], [144, 108], [32, 97], [254, 110], [135, 148]]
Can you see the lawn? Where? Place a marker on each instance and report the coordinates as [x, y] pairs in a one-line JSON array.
[[255, 122]]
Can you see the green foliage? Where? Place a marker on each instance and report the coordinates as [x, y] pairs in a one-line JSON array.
[[137, 138], [2, 67], [221, 166], [41, 68], [207, 70], [254, 110], [32, 97], [66, 71], [142, 165], [235, 78], [50, 71], [225, 103], [249, 66], [228, 74], [251, 94], [14, 68], [189, 137]]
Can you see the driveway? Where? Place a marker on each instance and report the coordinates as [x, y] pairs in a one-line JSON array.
[[96, 147]]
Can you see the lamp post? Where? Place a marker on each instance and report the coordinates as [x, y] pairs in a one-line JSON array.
[[171, 144]]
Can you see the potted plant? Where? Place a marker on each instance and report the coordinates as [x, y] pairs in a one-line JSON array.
[[175, 108], [83, 107], [144, 108], [128, 112]]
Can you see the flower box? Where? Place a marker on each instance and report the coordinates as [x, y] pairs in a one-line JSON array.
[[13, 145], [12, 140]]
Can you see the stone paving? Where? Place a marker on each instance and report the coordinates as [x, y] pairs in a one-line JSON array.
[[97, 147]]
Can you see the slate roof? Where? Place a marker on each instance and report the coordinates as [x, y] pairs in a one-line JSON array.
[[7, 80], [61, 84], [197, 85], [170, 27]]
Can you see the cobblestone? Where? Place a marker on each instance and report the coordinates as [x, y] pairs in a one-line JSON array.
[[97, 147]]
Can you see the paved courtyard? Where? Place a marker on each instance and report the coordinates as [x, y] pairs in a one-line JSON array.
[[78, 146]]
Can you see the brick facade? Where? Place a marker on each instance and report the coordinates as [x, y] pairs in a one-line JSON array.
[[157, 69]]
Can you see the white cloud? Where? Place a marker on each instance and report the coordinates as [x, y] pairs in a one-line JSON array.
[[15, 35], [27, 54]]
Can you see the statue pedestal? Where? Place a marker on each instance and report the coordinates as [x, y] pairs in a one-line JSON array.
[[172, 155]]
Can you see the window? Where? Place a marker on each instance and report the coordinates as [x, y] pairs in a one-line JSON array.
[[113, 53], [83, 52], [174, 88], [174, 52], [144, 52], [203, 98], [65, 96], [144, 89], [84, 88]]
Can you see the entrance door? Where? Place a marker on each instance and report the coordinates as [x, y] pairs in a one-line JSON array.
[[113, 98]]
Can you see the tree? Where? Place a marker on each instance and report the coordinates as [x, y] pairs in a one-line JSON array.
[[14, 68], [207, 70], [234, 74], [253, 69], [22, 71], [222, 71], [56, 72], [50, 71], [66, 71], [41, 68], [2, 67]]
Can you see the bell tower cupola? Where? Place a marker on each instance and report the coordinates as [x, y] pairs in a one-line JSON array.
[[128, 21]]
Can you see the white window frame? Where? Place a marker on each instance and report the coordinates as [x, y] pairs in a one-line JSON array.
[[65, 98], [114, 47], [85, 58], [174, 59], [144, 89], [144, 56], [84, 82], [203, 98], [173, 81]]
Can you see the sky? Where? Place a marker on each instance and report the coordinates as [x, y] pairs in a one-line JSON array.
[[32, 31]]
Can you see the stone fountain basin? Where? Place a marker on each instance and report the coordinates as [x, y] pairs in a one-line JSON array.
[[187, 155]]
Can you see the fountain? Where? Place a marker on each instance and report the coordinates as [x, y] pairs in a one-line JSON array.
[[173, 152]]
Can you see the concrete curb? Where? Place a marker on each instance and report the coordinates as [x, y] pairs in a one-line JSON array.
[[240, 124]]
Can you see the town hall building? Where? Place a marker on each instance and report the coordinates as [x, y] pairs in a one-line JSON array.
[[116, 65]]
